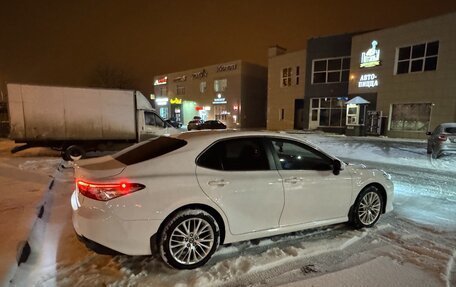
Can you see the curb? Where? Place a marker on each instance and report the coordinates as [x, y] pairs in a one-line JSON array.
[[24, 249]]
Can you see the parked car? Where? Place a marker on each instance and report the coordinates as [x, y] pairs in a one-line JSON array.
[[182, 196], [174, 123], [442, 140], [212, 125], [194, 124]]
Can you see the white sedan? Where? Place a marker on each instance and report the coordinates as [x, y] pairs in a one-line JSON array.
[[184, 195]]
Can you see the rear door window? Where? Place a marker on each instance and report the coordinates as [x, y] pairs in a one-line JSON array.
[[242, 154], [148, 150]]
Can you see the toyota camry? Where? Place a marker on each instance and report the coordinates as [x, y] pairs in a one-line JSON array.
[[183, 196]]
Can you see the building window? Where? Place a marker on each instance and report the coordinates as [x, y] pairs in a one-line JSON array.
[[285, 77], [220, 85], [297, 75], [410, 117], [164, 112], [203, 87], [281, 114], [417, 58], [332, 70], [180, 90], [220, 112], [163, 91], [329, 112]]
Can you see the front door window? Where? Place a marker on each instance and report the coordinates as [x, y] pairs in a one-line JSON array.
[[312, 192]]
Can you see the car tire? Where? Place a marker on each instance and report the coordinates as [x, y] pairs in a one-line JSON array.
[[189, 239], [367, 208], [73, 153], [435, 154]]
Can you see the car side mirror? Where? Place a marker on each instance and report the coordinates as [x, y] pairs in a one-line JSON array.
[[337, 167], [428, 133]]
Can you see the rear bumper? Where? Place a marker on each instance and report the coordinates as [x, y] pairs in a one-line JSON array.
[[446, 147], [102, 227]]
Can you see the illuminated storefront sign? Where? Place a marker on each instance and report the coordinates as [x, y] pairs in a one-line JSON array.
[[226, 68], [161, 81], [161, 101], [176, 101], [180, 79], [368, 81], [371, 57], [219, 100], [199, 75]]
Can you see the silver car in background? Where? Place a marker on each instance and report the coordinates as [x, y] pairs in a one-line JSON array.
[[442, 140]]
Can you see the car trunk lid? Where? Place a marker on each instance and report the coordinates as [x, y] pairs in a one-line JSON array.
[[98, 168]]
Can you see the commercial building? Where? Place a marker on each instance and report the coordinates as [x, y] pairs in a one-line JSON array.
[[399, 82], [233, 92], [408, 73], [327, 75], [286, 73]]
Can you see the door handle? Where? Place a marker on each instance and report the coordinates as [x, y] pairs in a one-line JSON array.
[[292, 179], [218, 182]]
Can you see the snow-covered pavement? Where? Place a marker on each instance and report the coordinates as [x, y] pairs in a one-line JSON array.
[[412, 246], [23, 180]]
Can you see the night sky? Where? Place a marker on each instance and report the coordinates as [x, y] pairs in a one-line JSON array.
[[74, 42]]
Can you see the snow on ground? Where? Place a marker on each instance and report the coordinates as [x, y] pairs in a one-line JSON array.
[[23, 180], [400, 152], [412, 246]]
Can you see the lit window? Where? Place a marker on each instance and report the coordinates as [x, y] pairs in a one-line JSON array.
[[410, 117], [285, 77], [417, 58], [329, 112], [203, 87], [220, 85]]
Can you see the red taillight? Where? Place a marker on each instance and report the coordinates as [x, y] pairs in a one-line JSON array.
[[442, 137], [107, 191]]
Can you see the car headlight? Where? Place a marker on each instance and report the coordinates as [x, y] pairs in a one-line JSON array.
[[386, 175]]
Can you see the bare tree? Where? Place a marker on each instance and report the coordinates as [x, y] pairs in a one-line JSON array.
[[106, 76]]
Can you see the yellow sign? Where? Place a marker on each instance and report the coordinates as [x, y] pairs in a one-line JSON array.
[[176, 101]]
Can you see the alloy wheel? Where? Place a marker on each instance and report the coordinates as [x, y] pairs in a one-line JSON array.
[[369, 208], [191, 241]]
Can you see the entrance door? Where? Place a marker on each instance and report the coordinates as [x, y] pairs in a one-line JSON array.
[[299, 114], [314, 114]]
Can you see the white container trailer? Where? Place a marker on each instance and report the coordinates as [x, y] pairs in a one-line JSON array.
[[76, 120]]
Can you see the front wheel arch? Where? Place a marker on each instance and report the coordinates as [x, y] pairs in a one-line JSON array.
[[381, 190]]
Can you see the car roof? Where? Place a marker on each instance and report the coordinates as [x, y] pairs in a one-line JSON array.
[[197, 141], [448, 125], [205, 137]]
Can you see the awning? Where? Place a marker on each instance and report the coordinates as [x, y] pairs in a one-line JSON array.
[[357, 101]]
